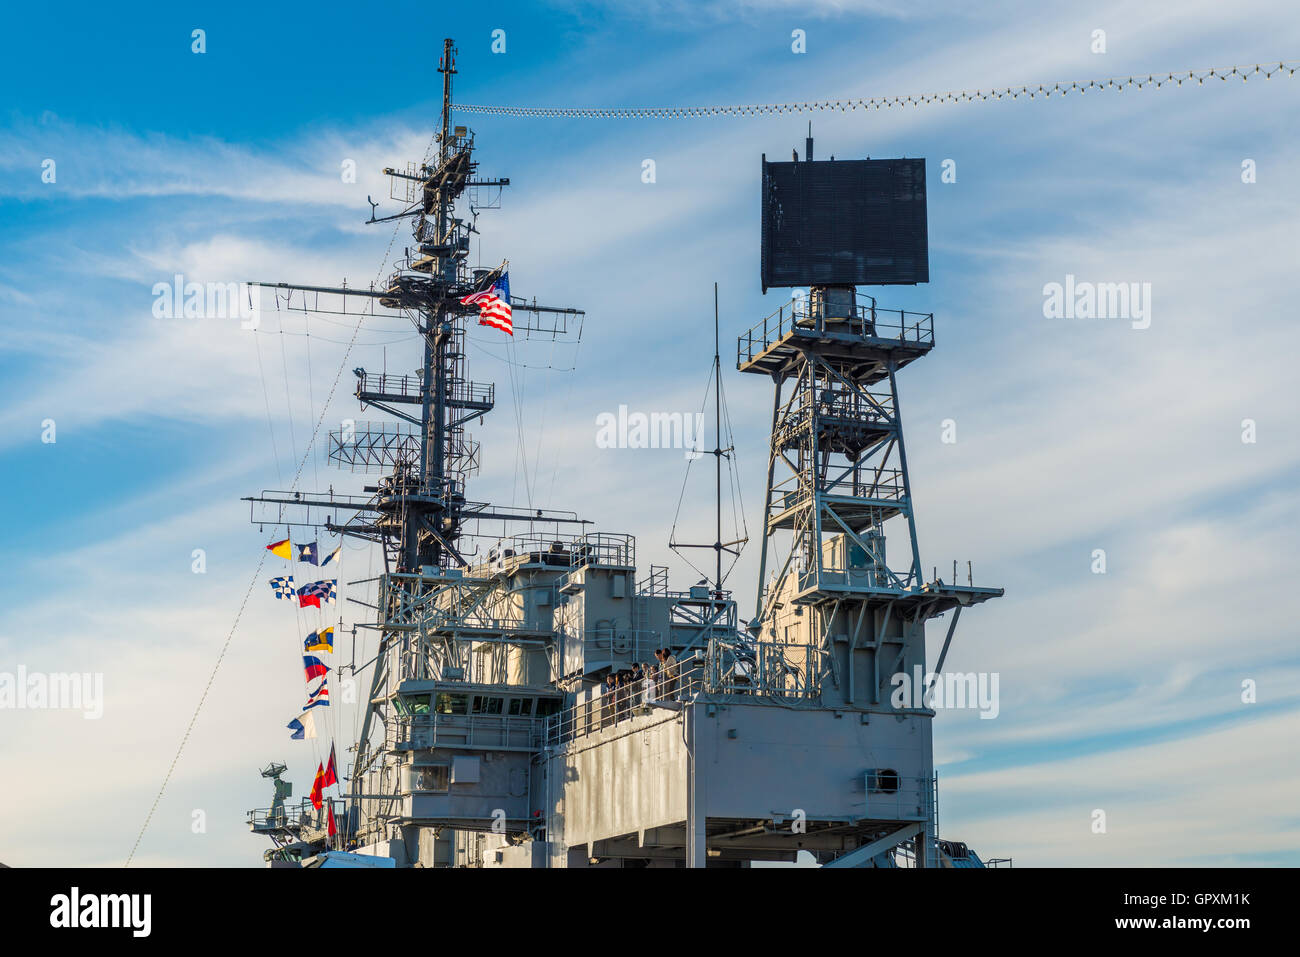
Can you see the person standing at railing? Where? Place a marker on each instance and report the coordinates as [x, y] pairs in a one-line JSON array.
[[669, 672], [634, 680], [648, 698], [609, 700]]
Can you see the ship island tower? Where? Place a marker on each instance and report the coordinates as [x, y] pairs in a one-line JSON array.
[[490, 737]]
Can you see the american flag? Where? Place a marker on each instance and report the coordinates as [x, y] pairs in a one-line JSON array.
[[493, 305]]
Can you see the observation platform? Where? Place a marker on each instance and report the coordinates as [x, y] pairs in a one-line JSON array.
[[933, 599], [867, 335]]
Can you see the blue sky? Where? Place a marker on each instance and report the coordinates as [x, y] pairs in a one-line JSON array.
[[1119, 691]]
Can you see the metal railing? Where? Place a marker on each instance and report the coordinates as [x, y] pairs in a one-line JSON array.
[[610, 708], [564, 550], [473, 393], [446, 604], [655, 584], [408, 385], [765, 669], [801, 316], [769, 670], [490, 731], [288, 507], [605, 548], [388, 383], [834, 413], [858, 481], [898, 798], [298, 817]]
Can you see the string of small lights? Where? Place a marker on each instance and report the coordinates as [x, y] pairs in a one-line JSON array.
[[1063, 88]]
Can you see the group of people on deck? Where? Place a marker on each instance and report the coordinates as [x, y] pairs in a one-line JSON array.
[[643, 684]]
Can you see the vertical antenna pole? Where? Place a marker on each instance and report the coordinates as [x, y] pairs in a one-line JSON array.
[[437, 334], [717, 432], [448, 68]]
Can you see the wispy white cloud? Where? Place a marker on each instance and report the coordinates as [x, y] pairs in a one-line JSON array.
[[1071, 437], [108, 162], [1163, 804]]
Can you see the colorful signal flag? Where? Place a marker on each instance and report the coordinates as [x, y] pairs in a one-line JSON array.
[[322, 640], [331, 773], [317, 788], [320, 698], [303, 726], [313, 666]]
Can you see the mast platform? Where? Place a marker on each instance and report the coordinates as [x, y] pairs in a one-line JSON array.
[[932, 599], [857, 332]]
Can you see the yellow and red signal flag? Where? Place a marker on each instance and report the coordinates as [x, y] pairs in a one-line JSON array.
[[318, 787]]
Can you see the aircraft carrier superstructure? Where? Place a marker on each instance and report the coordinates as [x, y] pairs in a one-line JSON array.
[[490, 737]]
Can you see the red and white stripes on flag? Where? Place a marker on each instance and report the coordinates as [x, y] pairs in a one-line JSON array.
[[494, 305]]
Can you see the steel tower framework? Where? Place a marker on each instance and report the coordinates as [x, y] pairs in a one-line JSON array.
[[837, 461], [429, 614], [837, 466]]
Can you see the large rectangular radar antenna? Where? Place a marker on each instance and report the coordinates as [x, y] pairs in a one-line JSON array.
[[844, 223]]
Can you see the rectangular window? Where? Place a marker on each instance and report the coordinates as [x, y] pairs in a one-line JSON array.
[[484, 704], [433, 778], [448, 703]]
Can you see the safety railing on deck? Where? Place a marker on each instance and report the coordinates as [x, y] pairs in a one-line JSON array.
[[656, 583], [613, 706], [472, 393], [563, 550], [437, 730], [858, 481], [834, 413], [894, 797], [392, 386], [802, 316], [788, 673], [388, 384], [297, 818]]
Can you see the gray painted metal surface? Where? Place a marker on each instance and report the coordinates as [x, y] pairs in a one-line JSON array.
[[491, 737]]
